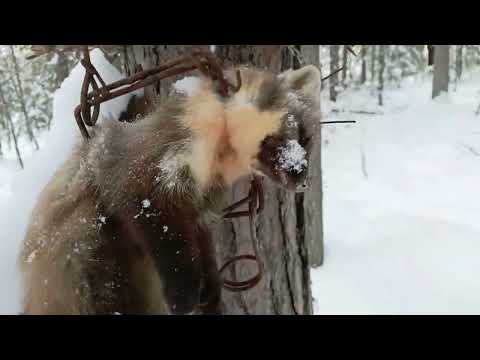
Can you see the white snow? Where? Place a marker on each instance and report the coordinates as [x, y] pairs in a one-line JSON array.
[[292, 157], [188, 85], [146, 203], [54, 59], [402, 205]]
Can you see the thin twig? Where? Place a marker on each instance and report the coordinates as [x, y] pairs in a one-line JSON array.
[[333, 73], [338, 122], [349, 48]]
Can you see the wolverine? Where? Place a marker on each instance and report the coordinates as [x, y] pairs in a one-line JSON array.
[[124, 225]]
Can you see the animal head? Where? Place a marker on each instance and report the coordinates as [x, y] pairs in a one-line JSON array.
[[280, 115], [266, 127]]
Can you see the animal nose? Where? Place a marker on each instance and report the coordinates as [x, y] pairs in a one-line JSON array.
[[302, 186]]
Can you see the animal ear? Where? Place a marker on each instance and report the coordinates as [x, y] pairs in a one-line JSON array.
[[306, 80]]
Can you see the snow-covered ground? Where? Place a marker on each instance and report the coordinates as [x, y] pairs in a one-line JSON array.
[[401, 199], [402, 205]]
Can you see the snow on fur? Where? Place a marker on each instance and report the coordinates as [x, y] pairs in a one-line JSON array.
[[188, 85], [292, 157]]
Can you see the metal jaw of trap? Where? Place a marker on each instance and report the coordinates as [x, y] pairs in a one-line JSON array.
[[208, 65]]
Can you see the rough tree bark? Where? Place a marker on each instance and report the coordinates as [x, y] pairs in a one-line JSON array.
[[313, 197], [285, 288], [288, 227], [441, 63], [148, 56]]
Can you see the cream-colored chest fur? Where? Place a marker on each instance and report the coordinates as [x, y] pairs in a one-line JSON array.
[[226, 136]]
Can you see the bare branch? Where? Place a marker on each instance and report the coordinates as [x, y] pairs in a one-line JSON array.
[[39, 50]]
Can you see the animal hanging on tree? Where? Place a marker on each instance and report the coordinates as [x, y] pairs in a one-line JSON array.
[[124, 225]]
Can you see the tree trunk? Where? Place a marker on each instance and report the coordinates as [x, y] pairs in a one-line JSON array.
[[285, 288], [19, 89], [149, 56], [344, 66], [309, 204], [459, 62], [417, 53], [363, 54], [289, 228], [6, 113], [381, 61], [440, 69], [391, 56], [334, 66], [313, 197], [61, 69], [372, 65]]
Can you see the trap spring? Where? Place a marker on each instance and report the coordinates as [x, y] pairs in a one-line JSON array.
[[255, 198], [208, 65]]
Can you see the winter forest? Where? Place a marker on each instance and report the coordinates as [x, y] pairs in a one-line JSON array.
[[388, 225]]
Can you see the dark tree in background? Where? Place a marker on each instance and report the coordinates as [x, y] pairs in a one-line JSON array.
[[381, 71], [441, 63], [290, 228], [21, 96], [363, 55], [5, 112], [344, 65], [459, 62], [334, 66], [372, 63]]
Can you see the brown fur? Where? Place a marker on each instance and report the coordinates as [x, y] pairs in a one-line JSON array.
[[123, 226]]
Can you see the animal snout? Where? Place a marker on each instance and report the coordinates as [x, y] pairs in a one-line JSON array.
[[302, 186]]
